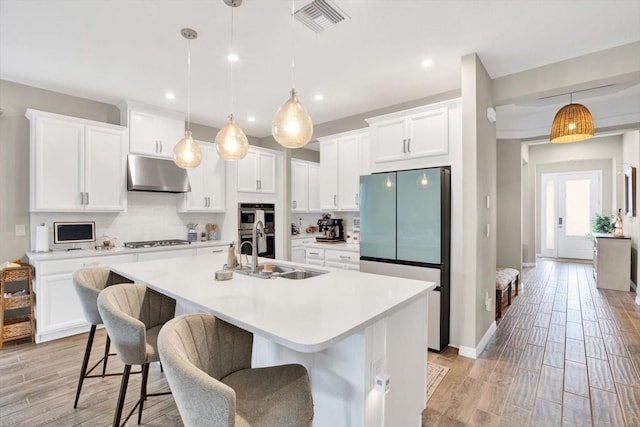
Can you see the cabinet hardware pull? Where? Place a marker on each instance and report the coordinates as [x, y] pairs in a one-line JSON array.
[[345, 257], [335, 201], [404, 145], [82, 198], [357, 200], [259, 184], [216, 251], [314, 253], [160, 147], [209, 202], [156, 145], [295, 204], [409, 145], [86, 198]]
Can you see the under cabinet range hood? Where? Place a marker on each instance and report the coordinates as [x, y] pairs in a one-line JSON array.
[[153, 174]]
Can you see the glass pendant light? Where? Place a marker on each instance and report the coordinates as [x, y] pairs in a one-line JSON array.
[[231, 143], [186, 153], [292, 126]]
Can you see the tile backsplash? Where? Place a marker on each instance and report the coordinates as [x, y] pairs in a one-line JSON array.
[[149, 216]]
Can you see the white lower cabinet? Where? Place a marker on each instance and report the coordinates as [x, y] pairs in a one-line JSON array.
[[298, 250], [342, 259], [58, 310], [150, 256], [314, 256]]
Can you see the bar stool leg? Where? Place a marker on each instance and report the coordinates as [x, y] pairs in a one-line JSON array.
[[107, 346], [143, 389], [122, 395], [85, 362]]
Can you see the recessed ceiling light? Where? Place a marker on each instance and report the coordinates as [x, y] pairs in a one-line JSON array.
[[169, 95], [318, 97], [251, 119], [427, 63], [232, 57]]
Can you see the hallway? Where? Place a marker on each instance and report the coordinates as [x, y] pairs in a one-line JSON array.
[[564, 353]]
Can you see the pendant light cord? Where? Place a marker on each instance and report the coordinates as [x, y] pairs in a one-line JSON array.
[[231, 65], [293, 61], [188, 85]]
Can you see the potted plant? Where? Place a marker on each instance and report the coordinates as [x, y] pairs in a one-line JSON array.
[[603, 223]]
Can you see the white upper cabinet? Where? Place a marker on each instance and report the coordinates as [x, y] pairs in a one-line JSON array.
[[152, 132], [257, 172], [208, 183], [76, 164], [341, 164], [305, 181], [412, 139], [314, 188]]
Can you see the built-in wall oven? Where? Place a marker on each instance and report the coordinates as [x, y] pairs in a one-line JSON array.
[[246, 218]]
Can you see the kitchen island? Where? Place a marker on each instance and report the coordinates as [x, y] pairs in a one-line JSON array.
[[345, 327]]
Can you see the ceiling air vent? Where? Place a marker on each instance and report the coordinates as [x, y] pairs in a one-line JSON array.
[[320, 15]]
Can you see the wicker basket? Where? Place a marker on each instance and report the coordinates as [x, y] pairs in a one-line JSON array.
[[19, 327], [14, 274], [16, 302]]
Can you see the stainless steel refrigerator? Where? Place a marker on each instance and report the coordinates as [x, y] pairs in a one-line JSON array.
[[405, 231]]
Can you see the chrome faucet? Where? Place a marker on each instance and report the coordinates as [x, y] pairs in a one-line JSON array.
[[240, 251]]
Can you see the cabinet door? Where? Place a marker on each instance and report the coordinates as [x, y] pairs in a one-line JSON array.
[[105, 163], [57, 170], [214, 178], [348, 173], [267, 173], [247, 172], [329, 175], [58, 307], [196, 199], [142, 133], [298, 254], [169, 132], [314, 188], [389, 140], [428, 133], [299, 187]]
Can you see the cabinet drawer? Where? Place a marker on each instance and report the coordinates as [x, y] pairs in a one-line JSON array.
[[70, 265], [313, 253], [298, 243], [212, 250], [343, 256], [149, 256]]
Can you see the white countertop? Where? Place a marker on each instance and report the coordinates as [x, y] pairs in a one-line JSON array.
[[84, 253], [306, 315]]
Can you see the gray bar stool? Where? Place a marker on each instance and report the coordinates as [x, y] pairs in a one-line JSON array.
[[88, 282], [133, 316], [208, 366]]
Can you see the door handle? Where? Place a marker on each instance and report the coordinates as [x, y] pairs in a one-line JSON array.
[[559, 222]]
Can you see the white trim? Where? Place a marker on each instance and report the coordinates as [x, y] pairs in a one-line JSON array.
[[472, 352], [528, 264]]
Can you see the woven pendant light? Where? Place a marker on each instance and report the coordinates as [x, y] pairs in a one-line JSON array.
[[572, 123]]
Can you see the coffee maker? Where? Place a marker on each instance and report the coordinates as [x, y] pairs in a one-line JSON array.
[[330, 229]]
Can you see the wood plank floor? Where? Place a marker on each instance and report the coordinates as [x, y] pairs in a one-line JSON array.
[[564, 353]]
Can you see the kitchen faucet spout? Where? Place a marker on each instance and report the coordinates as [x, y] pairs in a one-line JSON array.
[[254, 245]]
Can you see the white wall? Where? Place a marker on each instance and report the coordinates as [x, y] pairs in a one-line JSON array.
[[631, 227], [508, 204]]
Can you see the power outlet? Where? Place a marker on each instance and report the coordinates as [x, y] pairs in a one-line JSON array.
[[20, 230], [383, 383]]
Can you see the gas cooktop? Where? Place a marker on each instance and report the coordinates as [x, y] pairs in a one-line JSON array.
[[156, 243]]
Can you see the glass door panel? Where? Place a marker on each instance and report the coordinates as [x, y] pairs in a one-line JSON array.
[[378, 215], [419, 216]]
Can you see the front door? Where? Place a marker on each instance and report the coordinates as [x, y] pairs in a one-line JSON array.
[[569, 204]]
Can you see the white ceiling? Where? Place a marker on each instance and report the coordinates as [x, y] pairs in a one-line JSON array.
[[132, 49]]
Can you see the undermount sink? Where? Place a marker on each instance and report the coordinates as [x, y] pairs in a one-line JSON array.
[[279, 270]]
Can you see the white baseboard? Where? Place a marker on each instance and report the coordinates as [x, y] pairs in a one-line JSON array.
[[528, 264], [472, 352]]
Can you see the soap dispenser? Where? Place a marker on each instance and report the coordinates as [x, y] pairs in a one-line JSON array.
[[231, 261]]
